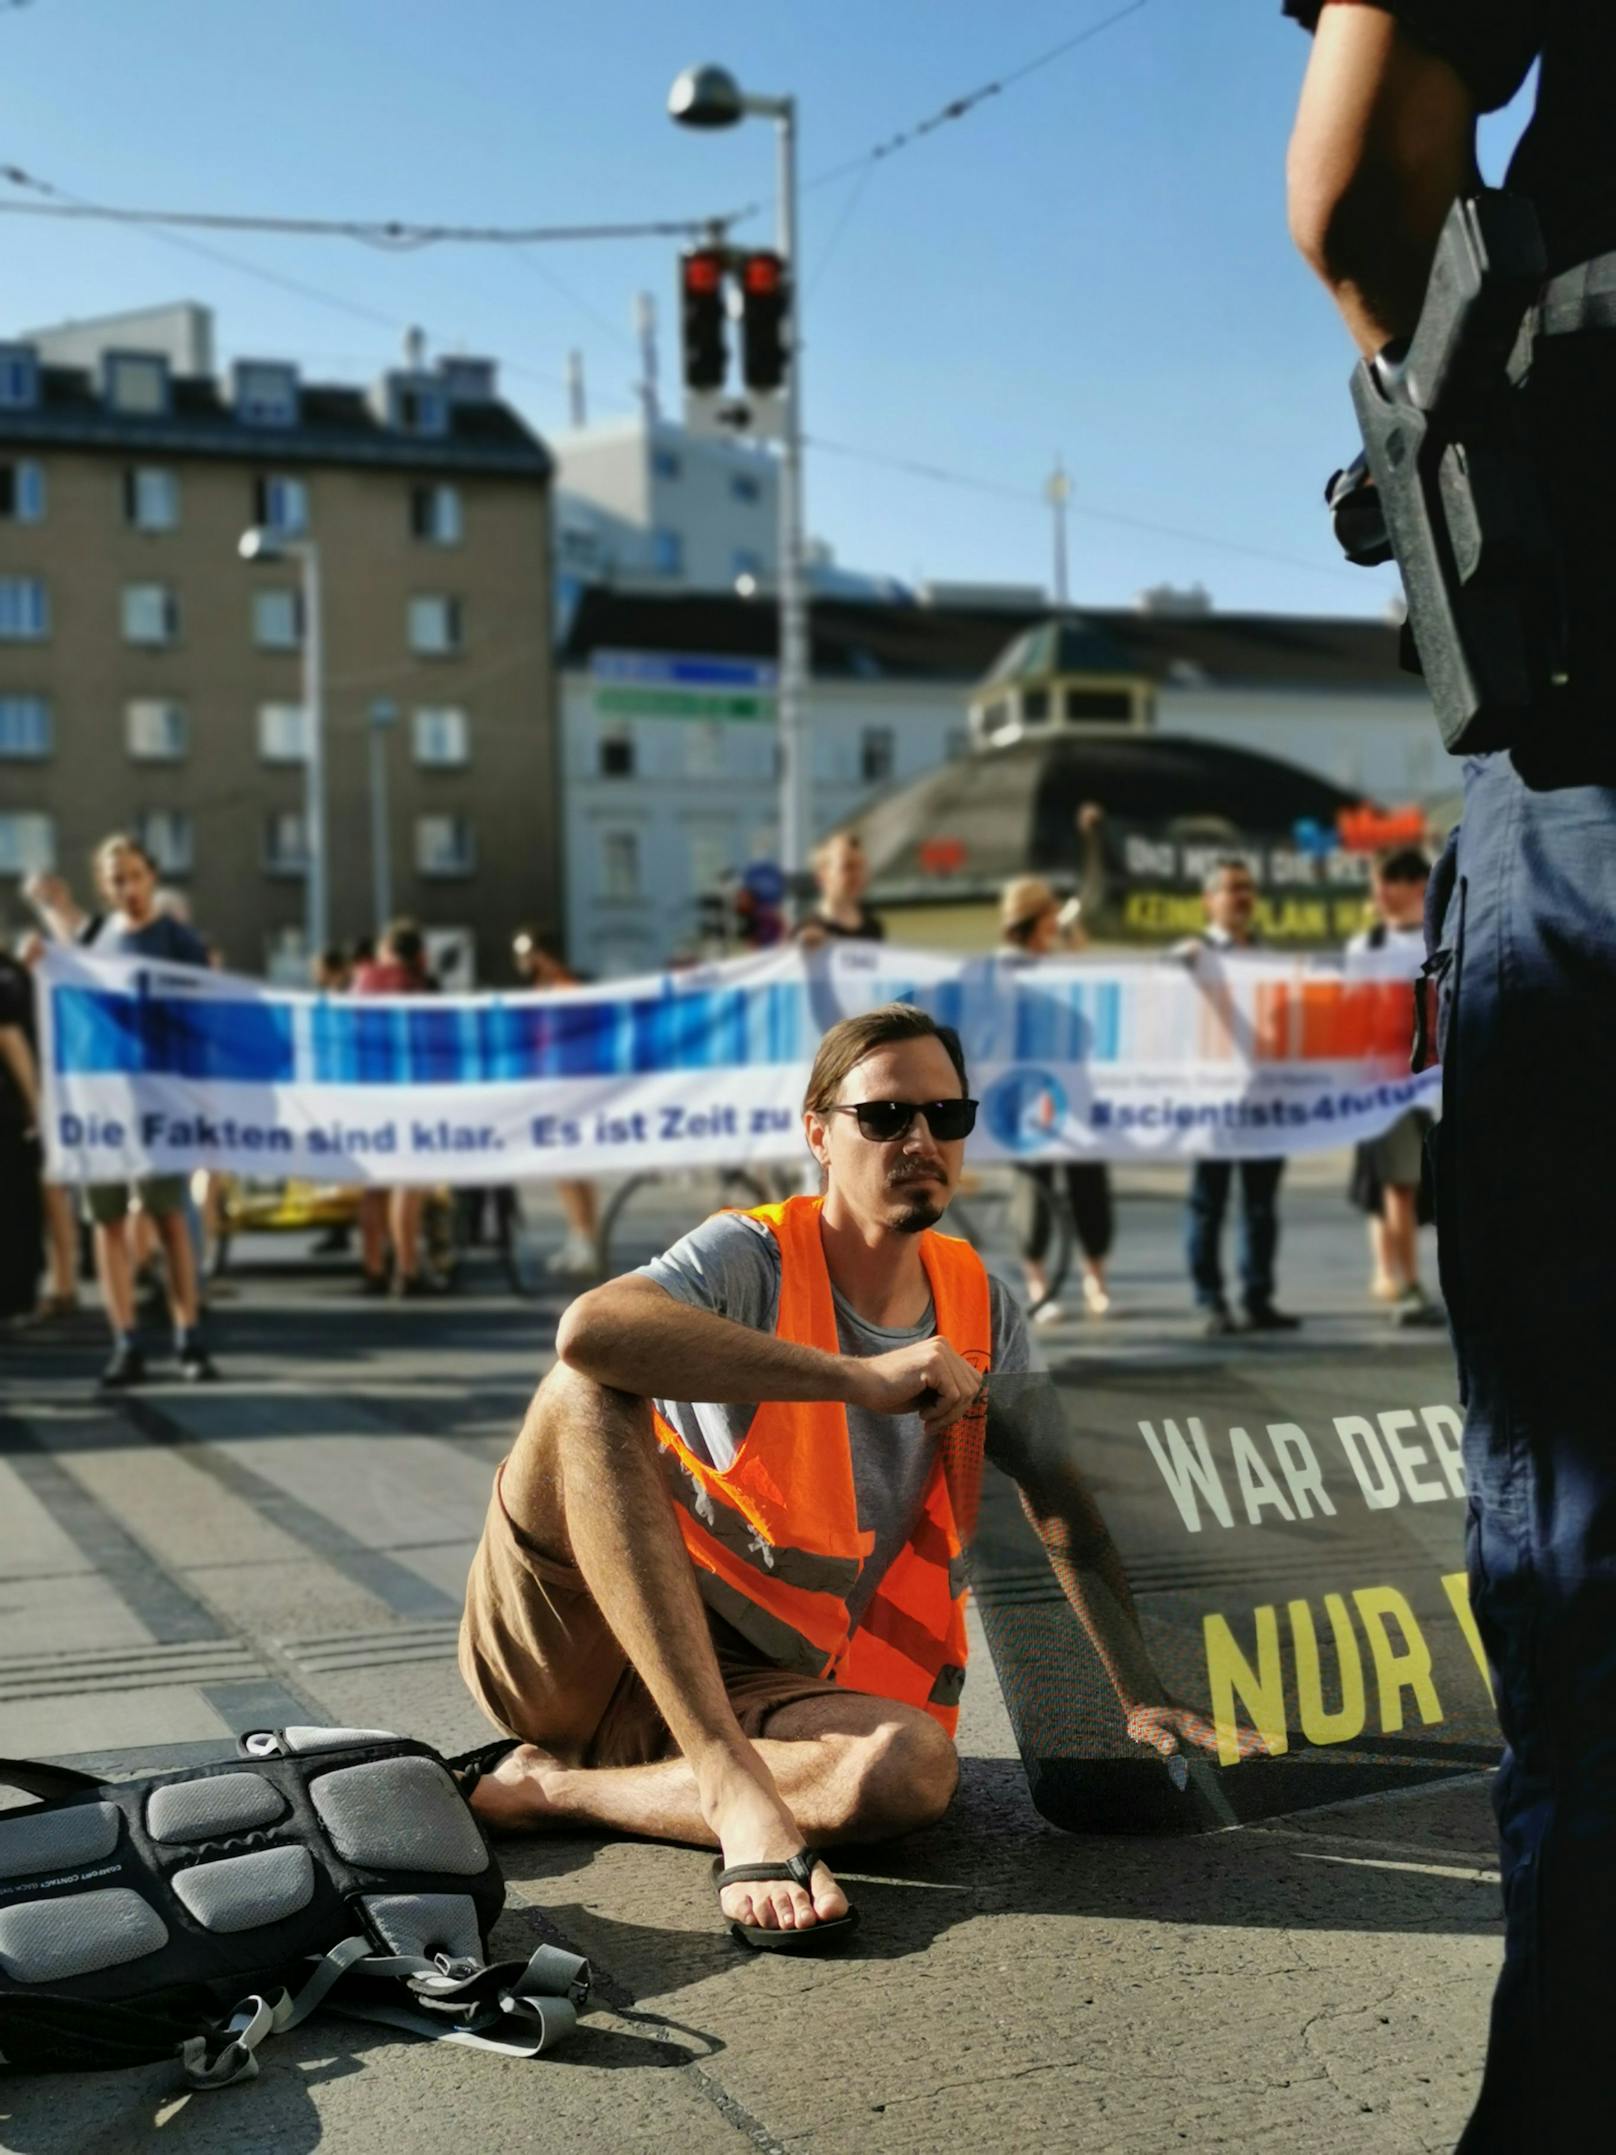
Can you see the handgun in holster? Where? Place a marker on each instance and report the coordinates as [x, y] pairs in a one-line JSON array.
[[1456, 496]]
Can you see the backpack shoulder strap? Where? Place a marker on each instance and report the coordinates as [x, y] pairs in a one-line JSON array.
[[35, 1777]]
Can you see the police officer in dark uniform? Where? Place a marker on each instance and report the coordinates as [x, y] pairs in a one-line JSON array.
[[1523, 932]]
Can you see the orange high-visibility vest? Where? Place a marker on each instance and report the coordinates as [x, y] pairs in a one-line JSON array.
[[775, 1538]]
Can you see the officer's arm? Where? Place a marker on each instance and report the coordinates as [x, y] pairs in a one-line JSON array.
[[1384, 141]]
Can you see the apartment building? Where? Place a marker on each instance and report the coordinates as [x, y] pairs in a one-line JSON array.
[[152, 679]]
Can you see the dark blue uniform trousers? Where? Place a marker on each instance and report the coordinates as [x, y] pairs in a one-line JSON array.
[[1523, 928]]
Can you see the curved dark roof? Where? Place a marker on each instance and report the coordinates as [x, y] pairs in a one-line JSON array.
[[1015, 809], [1070, 643], [895, 640]]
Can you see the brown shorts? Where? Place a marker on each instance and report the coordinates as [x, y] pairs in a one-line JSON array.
[[541, 1661]]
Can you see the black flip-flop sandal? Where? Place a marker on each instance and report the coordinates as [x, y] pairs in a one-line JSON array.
[[799, 1869]]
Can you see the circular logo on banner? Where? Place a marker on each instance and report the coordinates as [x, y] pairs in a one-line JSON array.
[[1024, 1109]]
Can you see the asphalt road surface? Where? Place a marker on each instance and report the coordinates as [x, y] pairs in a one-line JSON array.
[[290, 1545]]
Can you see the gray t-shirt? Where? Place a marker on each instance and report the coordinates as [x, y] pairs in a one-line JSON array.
[[731, 1266]]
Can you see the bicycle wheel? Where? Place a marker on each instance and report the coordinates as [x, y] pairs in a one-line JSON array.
[[650, 1212], [1004, 1213]]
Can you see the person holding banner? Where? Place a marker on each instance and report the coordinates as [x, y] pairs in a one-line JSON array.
[[132, 926], [720, 1592], [1387, 1170], [1035, 924], [1229, 895], [842, 871], [540, 965]]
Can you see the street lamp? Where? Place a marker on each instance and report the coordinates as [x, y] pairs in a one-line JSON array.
[[383, 718], [711, 97], [263, 543]]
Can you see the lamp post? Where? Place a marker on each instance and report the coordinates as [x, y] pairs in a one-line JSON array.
[[383, 718], [711, 97], [264, 544]]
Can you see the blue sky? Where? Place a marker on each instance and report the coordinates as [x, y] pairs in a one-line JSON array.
[[1094, 263]]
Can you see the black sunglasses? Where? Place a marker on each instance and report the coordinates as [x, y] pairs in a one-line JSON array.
[[883, 1121]]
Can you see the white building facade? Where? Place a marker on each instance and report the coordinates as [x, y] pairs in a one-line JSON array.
[[669, 785]]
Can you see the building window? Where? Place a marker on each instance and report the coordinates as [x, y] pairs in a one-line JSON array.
[[435, 514], [277, 619], [266, 393], [24, 609], [283, 733], [617, 755], [27, 842], [746, 561], [706, 744], [444, 845], [422, 408], [1035, 707], [19, 377], [667, 463], [155, 731], [151, 615], [151, 499], [166, 833], [434, 627], [668, 552], [286, 844], [744, 486], [620, 864], [25, 727], [998, 717], [136, 382], [877, 755], [442, 736], [22, 492], [281, 504], [1098, 707]]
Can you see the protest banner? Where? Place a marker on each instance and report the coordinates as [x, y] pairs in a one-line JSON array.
[[157, 1069], [1291, 1524], [1311, 894]]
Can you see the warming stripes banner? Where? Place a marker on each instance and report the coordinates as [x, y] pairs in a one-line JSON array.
[[156, 1069]]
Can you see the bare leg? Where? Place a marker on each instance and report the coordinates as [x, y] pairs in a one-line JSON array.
[[61, 1232], [174, 1232], [1402, 1223], [1384, 1282], [850, 1767], [404, 1219], [584, 1482], [373, 1233], [112, 1269], [578, 1208]]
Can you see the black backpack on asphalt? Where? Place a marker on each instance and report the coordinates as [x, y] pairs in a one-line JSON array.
[[195, 1913]]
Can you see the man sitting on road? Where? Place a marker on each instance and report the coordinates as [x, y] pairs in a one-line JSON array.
[[740, 1622]]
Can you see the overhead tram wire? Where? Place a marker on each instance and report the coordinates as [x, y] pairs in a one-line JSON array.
[[972, 482], [957, 108]]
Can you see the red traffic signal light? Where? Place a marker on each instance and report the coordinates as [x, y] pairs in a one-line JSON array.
[[701, 288], [765, 313]]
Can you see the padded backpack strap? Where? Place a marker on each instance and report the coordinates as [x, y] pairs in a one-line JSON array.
[[37, 1778]]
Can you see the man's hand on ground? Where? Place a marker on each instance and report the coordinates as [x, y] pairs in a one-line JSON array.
[[1170, 1726], [928, 1379]]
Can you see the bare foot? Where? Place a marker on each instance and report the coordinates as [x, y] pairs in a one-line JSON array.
[[521, 1794], [754, 1826]]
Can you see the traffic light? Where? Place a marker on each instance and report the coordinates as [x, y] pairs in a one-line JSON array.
[[765, 312], [701, 284]]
